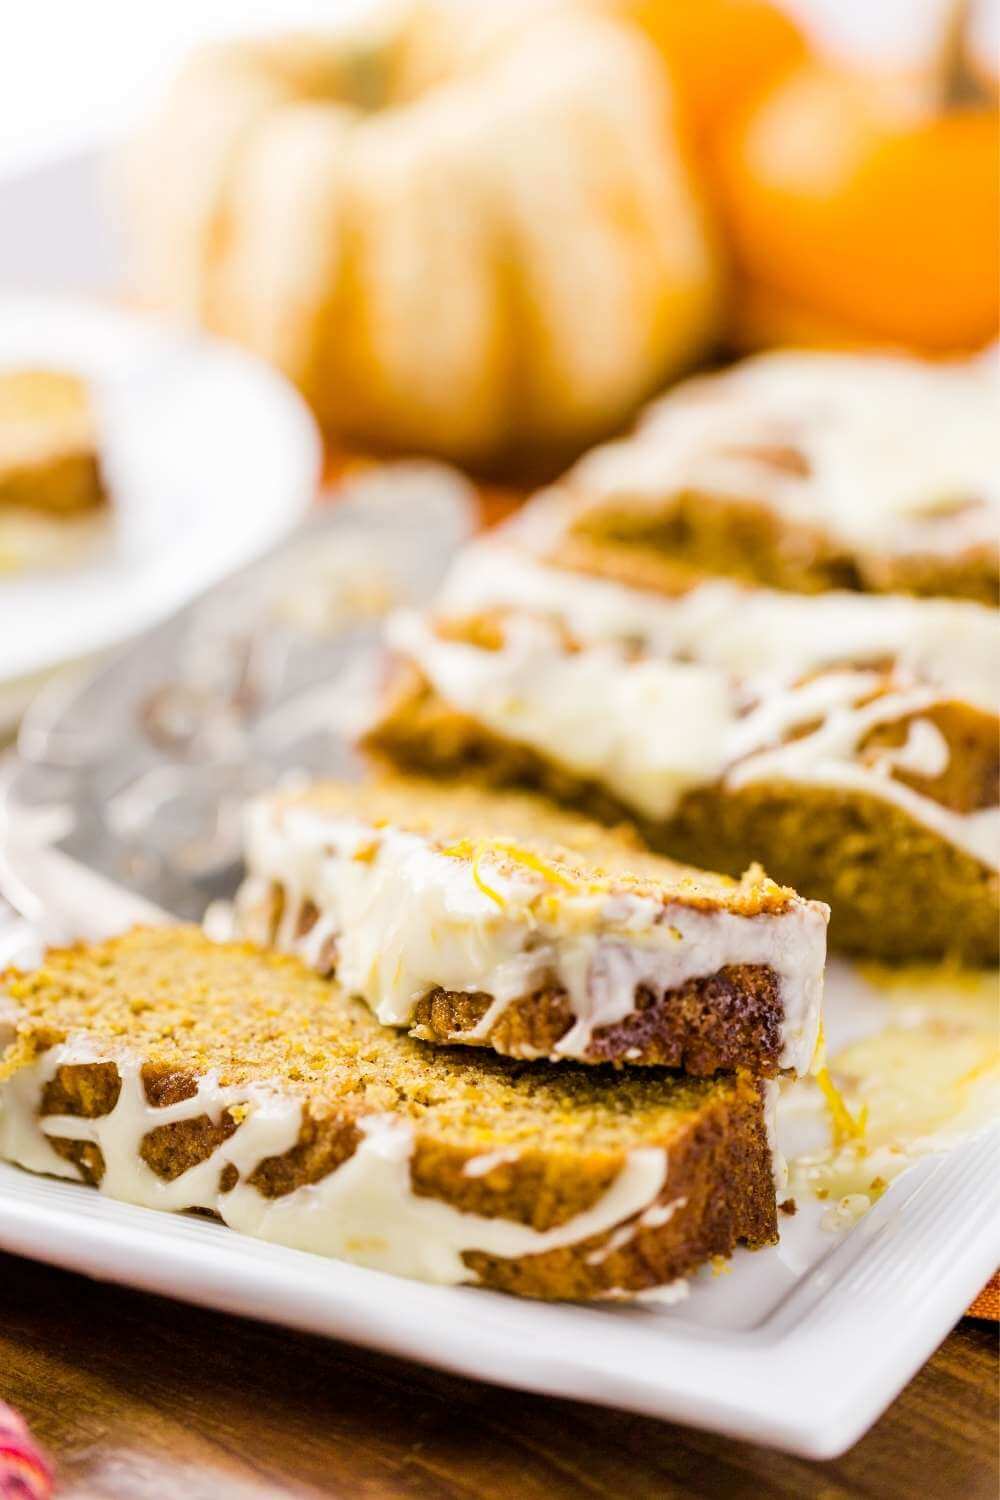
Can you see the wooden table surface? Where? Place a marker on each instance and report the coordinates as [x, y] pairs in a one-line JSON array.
[[137, 1398]]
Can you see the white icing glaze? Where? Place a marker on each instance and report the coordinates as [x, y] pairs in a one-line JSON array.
[[779, 1166], [668, 1295], [924, 752], [582, 709], [759, 648], [406, 919], [481, 1166], [367, 1211], [364, 1211], [652, 1218], [270, 1128], [750, 633], [826, 757], [893, 448]]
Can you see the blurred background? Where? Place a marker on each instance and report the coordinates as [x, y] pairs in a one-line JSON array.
[[49, 103], [479, 234], [843, 153]]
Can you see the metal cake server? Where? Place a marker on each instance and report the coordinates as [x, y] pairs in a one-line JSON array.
[[139, 768]]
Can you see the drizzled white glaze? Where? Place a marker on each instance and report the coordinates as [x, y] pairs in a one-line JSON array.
[[749, 655], [749, 633], [924, 752], [827, 757], [900, 456], [482, 1166], [364, 1211], [583, 708], [270, 1127], [651, 1218], [406, 919]]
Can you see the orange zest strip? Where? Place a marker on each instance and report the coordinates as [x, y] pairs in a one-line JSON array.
[[487, 890], [846, 1127], [532, 862]]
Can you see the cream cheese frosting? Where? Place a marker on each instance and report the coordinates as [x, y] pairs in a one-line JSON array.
[[894, 455], [768, 685], [365, 1210], [746, 632], [403, 918], [582, 708]]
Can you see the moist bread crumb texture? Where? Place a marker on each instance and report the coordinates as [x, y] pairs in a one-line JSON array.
[[530, 1144]]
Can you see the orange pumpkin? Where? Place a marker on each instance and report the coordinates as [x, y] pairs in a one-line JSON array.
[[721, 53], [859, 211]]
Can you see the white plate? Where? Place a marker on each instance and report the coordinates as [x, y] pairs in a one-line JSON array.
[[210, 455], [800, 1347]]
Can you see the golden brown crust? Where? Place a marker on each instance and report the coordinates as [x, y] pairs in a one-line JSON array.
[[727, 1020], [48, 446], [67, 485], [721, 1180], [897, 890]]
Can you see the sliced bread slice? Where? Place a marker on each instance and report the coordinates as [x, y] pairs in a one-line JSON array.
[[177, 1073], [496, 920], [48, 444]]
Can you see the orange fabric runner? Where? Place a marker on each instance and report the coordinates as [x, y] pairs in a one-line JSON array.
[[987, 1304]]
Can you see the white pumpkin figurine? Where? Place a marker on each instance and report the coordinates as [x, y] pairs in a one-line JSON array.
[[462, 229]]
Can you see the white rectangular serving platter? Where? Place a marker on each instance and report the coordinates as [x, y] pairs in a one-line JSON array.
[[801, 1347], [809, 1375]]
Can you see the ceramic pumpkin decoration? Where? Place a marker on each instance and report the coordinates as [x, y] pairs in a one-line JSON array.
[[466, 230]]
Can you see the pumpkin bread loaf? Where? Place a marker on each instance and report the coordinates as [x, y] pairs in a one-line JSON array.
[[846, 740], [177, 1073]]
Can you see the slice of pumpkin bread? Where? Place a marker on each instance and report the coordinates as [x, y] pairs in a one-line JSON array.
[[177, 1073], [803, 471], [848, 741], [48, 444], [473, 917]]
